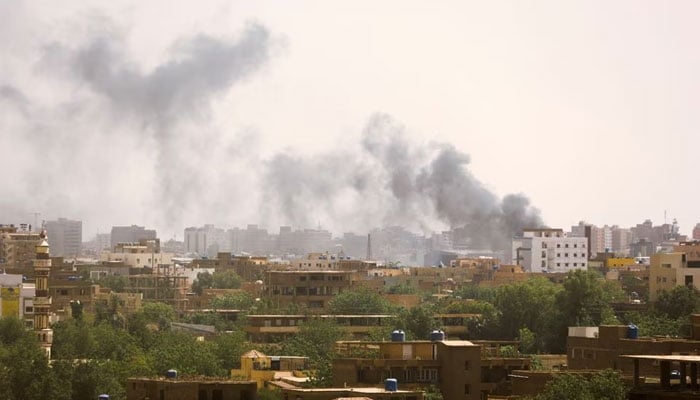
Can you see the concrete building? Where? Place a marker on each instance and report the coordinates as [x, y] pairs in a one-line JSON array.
[[668, 270], [598, 348], [204, 388], [312, 289], [17, 248], [696, 232], [17, 298], [460, 369], [142, 254], [130, 234], [642, 248], [66, 237], [550, 250], [207, 240], [258, 367]]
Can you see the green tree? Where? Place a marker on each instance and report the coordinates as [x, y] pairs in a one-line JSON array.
[[677, 303], [362, 300], [24, 368], [116, 283], [316, 340], [605, 385], [583, 299], [182, 352], [218, 280], [417, 321], [531, 304], [233, 301]]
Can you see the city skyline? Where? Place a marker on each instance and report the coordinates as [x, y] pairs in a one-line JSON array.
[[584, 107]]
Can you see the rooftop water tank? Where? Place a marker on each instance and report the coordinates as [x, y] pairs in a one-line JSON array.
[[171, 374], [391, 385], [632, 331], [103, 397], [398, 336], [437, 336]]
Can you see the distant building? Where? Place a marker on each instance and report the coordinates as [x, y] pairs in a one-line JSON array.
[[207, 240], [642, 248], [130, 234], [550, 250], [66, 237], [696, 232]]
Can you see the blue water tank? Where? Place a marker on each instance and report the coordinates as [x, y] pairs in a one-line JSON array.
[[103, 397], [437, 336], [171, 374], [391, 385], [398, 336], [632, 331]]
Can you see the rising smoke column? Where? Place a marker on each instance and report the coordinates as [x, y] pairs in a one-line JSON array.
[[389, 180], [153, 125]]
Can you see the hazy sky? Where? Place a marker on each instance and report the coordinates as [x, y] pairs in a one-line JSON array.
[[172, 114]]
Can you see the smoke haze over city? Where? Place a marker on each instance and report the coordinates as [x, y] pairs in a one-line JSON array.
[[211, 117]]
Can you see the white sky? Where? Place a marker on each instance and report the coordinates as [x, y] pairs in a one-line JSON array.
[[590, 108]]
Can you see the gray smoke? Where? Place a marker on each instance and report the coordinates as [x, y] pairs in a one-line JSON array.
[[123, 138], [388, 180]]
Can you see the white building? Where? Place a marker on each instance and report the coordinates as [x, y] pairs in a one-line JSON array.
[[549, 250]]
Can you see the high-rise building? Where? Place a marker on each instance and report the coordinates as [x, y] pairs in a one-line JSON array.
[[66, 237], [696, 232], [207, 240], [130, 234]]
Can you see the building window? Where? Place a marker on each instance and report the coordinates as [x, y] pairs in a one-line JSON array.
[[467, 389], [558, 254], [566, 245], [566, 254], [466, 365], [558, 245], [574, 264], [575, 245], [558, 264]]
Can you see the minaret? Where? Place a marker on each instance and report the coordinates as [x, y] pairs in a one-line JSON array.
[[42, 300]]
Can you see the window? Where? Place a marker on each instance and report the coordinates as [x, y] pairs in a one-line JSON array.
[[558, 264], [467, 388], [566, 254], [302, 278], [575, 245], [558, 254], [466, 365], [574, 264], [217, 394], [558, 245]]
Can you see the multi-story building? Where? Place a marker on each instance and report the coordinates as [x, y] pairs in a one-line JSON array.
[[668, 270], [550, 250], [207, 240], [16, 298], [598, 348], [696, 232], [620, 240], [130, 234], [17, 248], [460, 369], [190, 388], [66, 237], [312, 289], [143, 254]]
